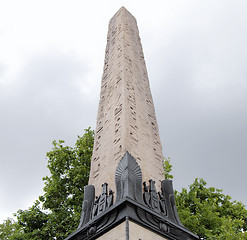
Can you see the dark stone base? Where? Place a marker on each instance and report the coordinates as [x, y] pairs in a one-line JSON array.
[[135, 201], [135, 212]]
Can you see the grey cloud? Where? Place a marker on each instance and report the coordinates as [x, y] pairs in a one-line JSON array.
[[46, 104], [199, 91]]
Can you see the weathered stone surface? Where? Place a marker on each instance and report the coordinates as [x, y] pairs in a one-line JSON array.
[[117, 233], [126, 118], [136, 232], [131, 232]]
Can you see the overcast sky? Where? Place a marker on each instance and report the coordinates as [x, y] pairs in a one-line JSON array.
[[51, 62]]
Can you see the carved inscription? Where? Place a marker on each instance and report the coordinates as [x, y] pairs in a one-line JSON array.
[[126, 117], [103, 201]]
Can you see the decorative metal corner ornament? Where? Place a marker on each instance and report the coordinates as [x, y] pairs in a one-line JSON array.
[[128, 179], [168, 197], [88, 200], [150, 196], [102, 202], [135, 201], [93, 206]]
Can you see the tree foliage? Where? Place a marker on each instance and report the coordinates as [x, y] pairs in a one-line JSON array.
[[211, 214], [57, 213], [9, 229], [167, 168], [69, 168]]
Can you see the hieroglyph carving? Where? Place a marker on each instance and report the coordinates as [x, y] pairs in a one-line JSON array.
[[102, 202], [126, 118]]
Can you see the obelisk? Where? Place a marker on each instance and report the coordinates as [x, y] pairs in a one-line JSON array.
[[126, 117], [127, 197]]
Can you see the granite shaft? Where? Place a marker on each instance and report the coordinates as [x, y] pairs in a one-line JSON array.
[[126, 118]]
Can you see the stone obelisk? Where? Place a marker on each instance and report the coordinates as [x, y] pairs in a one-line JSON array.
[[126, 118], [127, 197]]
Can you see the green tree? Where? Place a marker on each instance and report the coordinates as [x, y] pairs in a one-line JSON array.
[[167, 168], [57, 213], [207, 212], [211, 214], [9, 228], [69, 168], [33, 223]]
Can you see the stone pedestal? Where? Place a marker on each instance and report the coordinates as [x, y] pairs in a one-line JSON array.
[[130, 231], [137, 211]]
